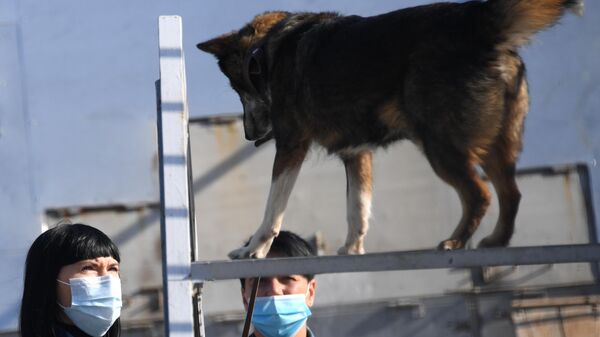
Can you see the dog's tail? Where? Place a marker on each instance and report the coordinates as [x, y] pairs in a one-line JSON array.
[[518, 20]]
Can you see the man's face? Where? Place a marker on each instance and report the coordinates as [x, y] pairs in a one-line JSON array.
[[281, 285]]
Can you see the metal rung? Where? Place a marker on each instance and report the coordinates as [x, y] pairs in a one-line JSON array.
[[409, 260]]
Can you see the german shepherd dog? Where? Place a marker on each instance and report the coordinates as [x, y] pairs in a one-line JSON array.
[[446, 76]]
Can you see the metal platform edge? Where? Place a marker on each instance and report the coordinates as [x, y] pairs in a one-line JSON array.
[[388, 261]]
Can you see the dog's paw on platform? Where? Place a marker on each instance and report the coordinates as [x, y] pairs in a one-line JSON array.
[[240, 253], [451, 245], [247, 252], [350, 251]]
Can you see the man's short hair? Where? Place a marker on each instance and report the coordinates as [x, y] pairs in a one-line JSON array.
[[288, 244]]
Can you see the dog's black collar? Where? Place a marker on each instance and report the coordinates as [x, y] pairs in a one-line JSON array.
[[256, 70]]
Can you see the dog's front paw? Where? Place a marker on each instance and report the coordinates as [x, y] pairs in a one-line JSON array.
[[351, 250], [451, 245], [252, 250], [240, 253]]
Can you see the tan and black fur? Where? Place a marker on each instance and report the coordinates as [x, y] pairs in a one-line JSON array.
[[446, 76]]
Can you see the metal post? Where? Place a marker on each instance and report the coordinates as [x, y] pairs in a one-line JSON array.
[[173, 139]]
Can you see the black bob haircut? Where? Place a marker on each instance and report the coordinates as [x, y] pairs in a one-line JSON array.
[[55, 248], [288, 244]]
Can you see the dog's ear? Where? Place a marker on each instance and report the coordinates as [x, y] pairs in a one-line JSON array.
[[220, 46], [230, 42]]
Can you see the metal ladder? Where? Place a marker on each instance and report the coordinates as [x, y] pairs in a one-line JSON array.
[[183, 275]]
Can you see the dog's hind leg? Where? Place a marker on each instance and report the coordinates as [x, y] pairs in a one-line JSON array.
[[358, 200], [285, 171], [458, 170], [501, 171], [499, 164]]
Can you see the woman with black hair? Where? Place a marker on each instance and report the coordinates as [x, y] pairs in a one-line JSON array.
[[72, 285]]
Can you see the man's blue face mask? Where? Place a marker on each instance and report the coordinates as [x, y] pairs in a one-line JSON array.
[[280, 316]]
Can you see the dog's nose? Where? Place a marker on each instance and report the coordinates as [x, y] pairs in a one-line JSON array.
[[249, 135], [249, 129]]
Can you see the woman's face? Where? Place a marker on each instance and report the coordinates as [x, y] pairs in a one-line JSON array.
[[99, 266]]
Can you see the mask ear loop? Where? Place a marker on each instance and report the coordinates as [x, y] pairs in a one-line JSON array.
[[246, 330], [65, 283]]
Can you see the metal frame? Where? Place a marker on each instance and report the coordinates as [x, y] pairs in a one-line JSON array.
[[409, 260], [183, 278]]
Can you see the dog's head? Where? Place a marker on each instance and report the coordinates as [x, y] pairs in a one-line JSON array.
[[242, 58]]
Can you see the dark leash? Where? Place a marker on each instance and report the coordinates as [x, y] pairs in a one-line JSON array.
[[246, 330]]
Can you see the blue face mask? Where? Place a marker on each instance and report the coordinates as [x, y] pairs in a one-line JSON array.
[[95, 303], [280, 316]]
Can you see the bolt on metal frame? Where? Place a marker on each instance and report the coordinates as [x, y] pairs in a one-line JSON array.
[[183, 276]]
